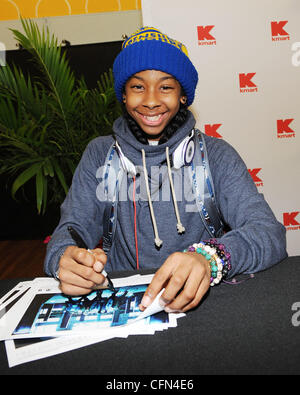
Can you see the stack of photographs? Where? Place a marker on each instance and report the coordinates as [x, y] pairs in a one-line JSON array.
[[38, 321]]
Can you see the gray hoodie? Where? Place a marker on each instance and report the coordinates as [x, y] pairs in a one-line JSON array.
[[256, 240]]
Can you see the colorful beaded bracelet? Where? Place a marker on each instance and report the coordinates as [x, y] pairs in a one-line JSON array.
[[217, 257], [222, 253]]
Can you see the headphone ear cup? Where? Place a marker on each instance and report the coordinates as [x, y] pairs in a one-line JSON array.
[[184, 153], [177, 158], [189, 152]]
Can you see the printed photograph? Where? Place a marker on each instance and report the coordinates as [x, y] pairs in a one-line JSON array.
[[56, 314]]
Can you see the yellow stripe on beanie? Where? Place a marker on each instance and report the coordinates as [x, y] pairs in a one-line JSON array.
[[150, 33]]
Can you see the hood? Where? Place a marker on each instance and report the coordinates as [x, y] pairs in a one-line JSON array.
[[156, 154], [148, 156]]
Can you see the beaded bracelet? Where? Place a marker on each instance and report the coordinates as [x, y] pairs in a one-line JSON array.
[[218, 259], [222, 253]]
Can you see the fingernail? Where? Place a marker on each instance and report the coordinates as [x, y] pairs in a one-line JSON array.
[[98, 266], [104, 285], [169, 310], [146, 301]]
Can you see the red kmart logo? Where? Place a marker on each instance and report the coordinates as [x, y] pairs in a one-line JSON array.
[[278, 32], [211, 130], [283, 128], [246, 83], [290, 220], [254, 174], [205, 36]]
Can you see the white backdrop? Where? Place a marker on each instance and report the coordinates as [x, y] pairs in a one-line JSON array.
[[248, 59]]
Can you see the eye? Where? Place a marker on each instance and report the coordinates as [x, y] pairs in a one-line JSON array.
[[167, 88], [137, 87]]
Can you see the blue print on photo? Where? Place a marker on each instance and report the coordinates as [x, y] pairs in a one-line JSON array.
[[57, 313]]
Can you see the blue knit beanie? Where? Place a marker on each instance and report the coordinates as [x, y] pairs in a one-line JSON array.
[[150, 49]]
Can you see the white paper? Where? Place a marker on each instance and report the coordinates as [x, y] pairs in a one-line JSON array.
[[147, 324], [14, 292]]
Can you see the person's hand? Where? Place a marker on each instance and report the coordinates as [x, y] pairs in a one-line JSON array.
[[80, 270], [186, 279]]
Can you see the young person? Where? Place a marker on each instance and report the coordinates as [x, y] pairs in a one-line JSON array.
[[155, 140]]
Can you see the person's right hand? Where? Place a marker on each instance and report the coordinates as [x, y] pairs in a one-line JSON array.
[[80, 270]]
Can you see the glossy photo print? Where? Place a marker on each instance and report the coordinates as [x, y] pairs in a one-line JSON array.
[[58, 314], [36, 316]]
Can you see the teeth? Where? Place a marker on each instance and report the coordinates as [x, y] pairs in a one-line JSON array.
[[154, 118]]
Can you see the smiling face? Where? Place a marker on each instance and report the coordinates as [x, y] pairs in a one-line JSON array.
[[152, 98]]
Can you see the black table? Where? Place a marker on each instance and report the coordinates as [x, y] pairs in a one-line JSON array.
[[248, 328]]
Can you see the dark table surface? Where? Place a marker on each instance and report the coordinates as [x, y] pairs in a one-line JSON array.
[[247, 328]]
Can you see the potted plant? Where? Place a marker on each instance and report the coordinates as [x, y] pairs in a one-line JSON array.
[[47, 118]]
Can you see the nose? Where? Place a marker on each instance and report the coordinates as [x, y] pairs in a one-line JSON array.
[[151, 99]]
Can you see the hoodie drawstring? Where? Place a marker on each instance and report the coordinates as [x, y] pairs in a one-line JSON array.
[[180, 227], [158, 241]]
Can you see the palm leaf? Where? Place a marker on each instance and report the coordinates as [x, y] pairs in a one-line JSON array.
[[27, 102], [52, 65], [9, 117], [48, 118], [60, 175], [106, 81], [39, 182], [25, 176]]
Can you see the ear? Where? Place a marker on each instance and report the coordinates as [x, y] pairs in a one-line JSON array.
[[124, 98], [183, 99]]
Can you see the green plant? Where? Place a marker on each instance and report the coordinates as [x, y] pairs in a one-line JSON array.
[[47, 118]]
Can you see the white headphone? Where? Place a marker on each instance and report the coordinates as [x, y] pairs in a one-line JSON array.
[[182, 156], [127, 165], [184, 153]]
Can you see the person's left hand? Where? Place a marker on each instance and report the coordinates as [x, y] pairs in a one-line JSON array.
[[186, 279]]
